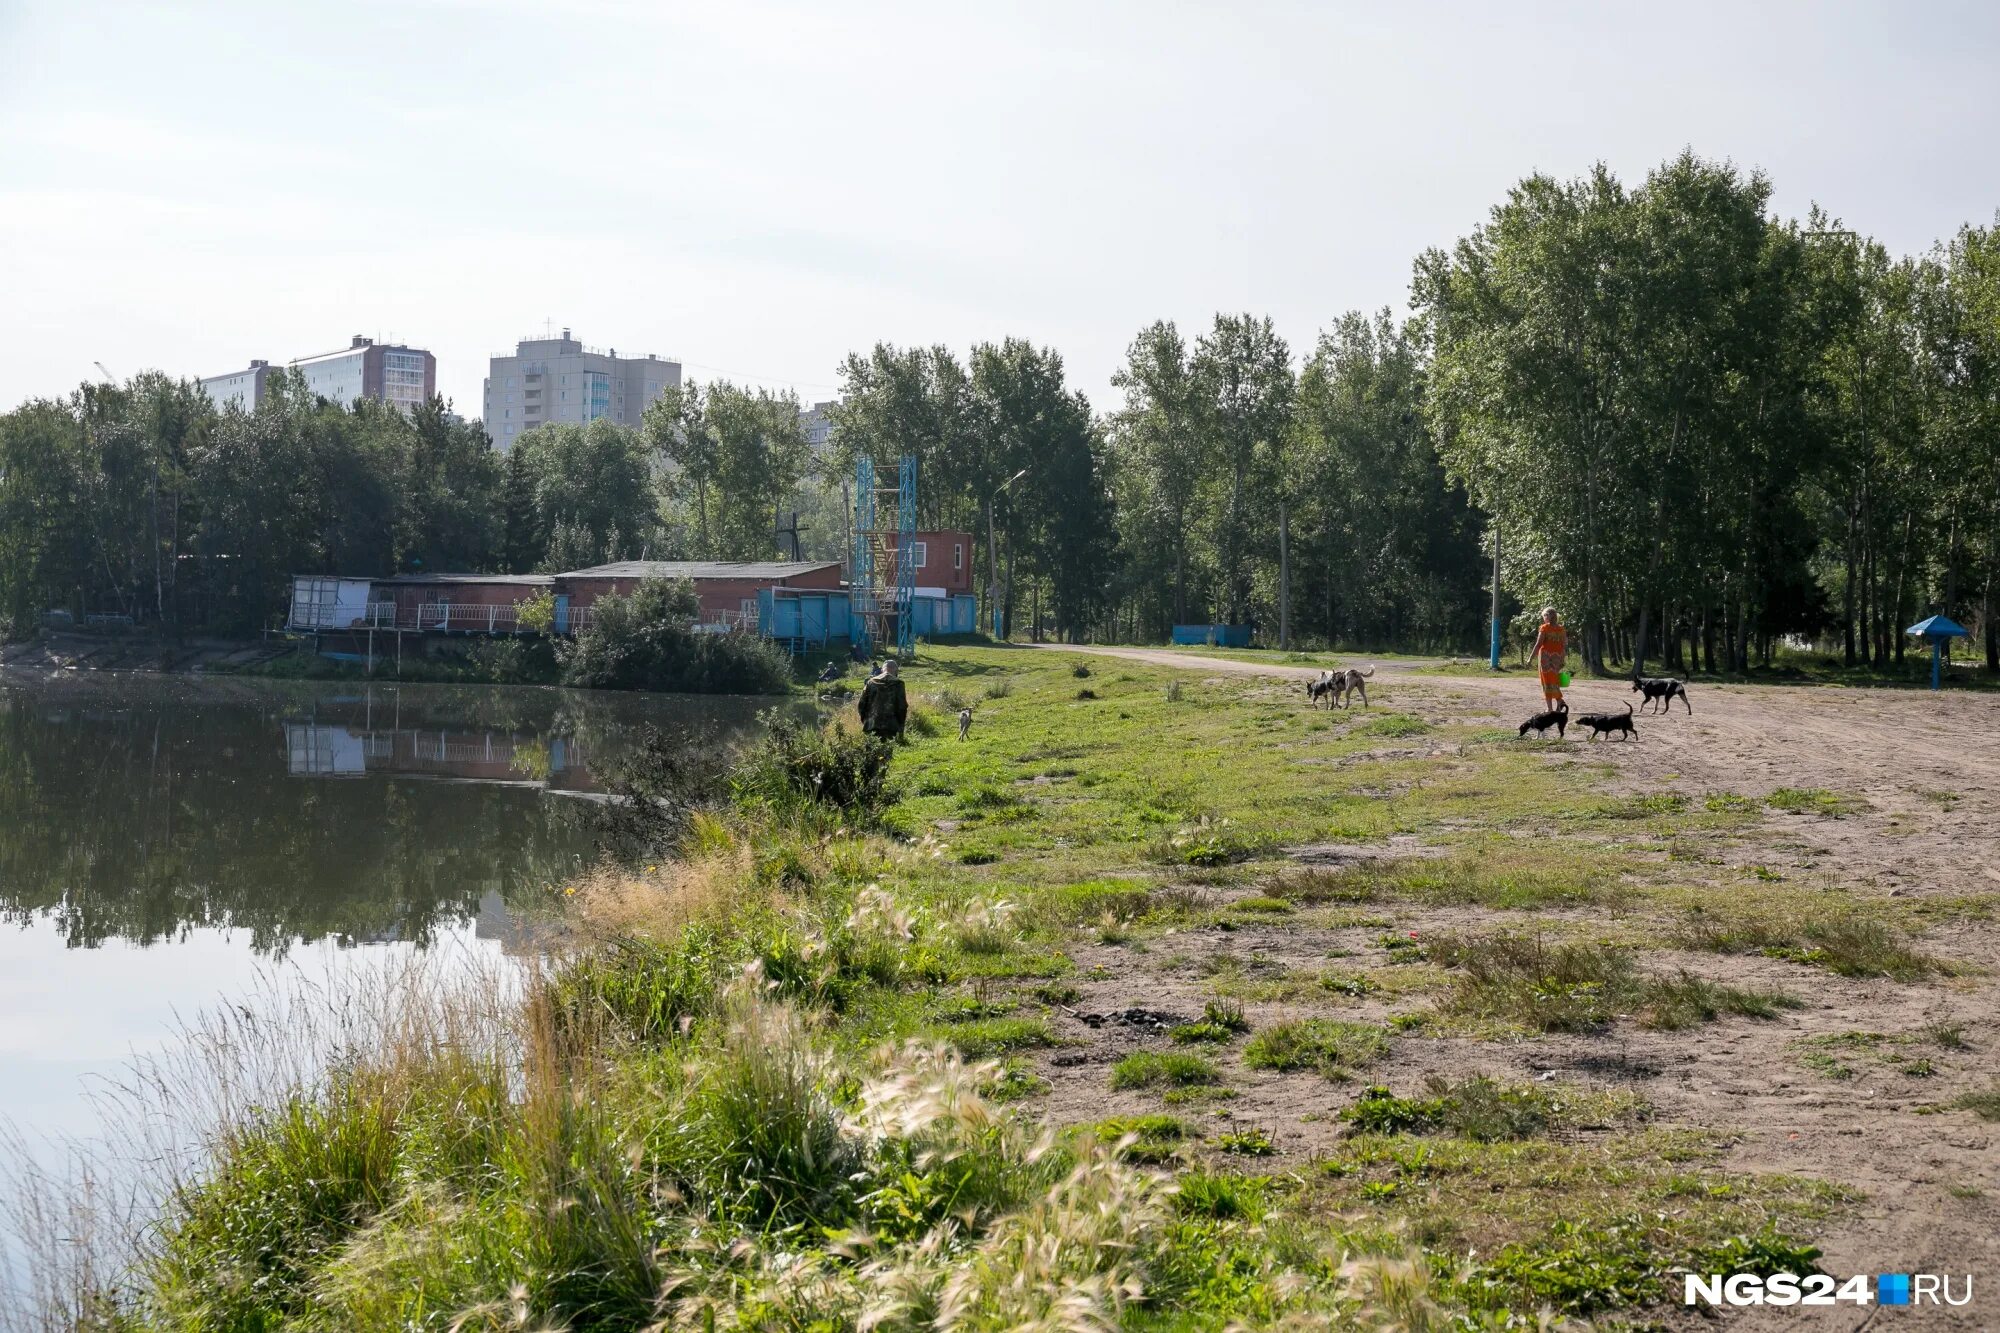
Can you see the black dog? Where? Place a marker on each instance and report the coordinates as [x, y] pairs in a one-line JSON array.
[[1320, 689], [1558, 717], [1600, 723], [1662, 690]]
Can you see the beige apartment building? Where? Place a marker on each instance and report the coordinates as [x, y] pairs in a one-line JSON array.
[[559, 379]]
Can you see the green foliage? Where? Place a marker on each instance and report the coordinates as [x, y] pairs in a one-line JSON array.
[[1580, 986], [1840, 941], [1151, 1139], [1329, 1046], [1246, 1142], [646, 640], [1485, 1111], [733, 455], [1812, 801], [1169, 1069], [292, 1185], [825, 768]]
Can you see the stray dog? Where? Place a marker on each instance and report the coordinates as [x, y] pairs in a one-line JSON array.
[[964, 723], [1323, 688], [1557, 717], [1600, 723], [1662, 690], [1351, 682]]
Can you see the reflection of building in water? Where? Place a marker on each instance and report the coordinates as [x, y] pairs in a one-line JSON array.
[[323, 750]]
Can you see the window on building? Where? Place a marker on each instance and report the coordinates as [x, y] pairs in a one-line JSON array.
[[507, 412], [958, 555], [565, 395], [920, 554]]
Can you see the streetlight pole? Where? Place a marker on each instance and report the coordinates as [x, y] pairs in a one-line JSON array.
[[1494, 660], [993, 557]]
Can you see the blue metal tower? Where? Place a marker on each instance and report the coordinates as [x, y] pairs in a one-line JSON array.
[[883, 578], [906, 552]]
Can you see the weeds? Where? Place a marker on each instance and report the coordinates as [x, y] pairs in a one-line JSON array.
[[1326, 1045], [1813, 801], [1170, 1069], [1151, 1139], [1841, 942], [1486, 1111], [1580, 986]]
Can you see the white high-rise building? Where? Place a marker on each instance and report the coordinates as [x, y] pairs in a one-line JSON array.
[[818, 426], [400, 376], [559, 379]]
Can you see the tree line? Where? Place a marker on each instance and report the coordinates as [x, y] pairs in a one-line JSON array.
[[1698, 429]]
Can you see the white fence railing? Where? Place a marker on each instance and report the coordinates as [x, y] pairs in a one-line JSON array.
[[462, 618]]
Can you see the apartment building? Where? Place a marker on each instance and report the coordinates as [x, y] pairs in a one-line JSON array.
[[391, 373], [559, 379]]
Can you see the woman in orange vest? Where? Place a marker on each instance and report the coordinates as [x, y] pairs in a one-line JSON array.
[[1551, 645]]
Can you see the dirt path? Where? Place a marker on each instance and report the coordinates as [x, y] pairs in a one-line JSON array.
[[1927, 765], [1919, 774]]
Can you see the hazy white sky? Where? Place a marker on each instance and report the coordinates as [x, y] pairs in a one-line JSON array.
[[756, 189]]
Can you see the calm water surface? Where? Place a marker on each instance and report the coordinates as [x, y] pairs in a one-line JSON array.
[[169, 843]]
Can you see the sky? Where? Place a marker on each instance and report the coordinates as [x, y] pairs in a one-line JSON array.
[[758, 189]]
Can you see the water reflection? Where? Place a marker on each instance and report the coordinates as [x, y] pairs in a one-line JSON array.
[[143, 808]]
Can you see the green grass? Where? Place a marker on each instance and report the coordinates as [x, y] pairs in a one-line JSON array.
[[1533, 983], [1324, 1045], [1164, 1069], [1151, 1139], [1813, 934], [1813, 801], [1481, 1109], [996, 1036]]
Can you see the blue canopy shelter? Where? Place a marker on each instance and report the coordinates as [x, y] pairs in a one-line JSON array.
[[1938, 631]]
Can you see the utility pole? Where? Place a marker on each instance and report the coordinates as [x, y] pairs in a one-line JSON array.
[[1284, 579], [993, 589], [1494, 660]]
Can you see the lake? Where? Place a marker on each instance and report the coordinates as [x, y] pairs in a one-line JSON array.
[[169, 844]]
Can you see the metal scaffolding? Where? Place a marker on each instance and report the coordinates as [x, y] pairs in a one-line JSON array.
[[883, 580]]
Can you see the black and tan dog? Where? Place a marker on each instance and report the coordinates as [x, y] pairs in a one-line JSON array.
[[1349, 683], [1557, 717], [1662, 690], [1602, 723]]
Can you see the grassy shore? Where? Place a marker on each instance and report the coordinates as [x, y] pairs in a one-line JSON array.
[[832, 1067]]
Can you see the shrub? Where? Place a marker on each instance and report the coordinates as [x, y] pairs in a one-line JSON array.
[[827, 767], [1327, 1045], [661, 786], [646, 640]]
